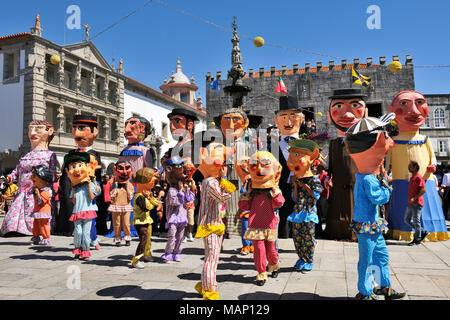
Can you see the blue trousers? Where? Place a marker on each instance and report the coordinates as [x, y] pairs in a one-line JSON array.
[[244, 226], [82, 234], [93, 233], [373, 262]]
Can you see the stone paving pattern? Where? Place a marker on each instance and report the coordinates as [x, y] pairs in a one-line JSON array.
[[47, 272]]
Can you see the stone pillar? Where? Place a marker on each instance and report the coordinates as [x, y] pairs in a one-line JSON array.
[[92, 82], [106, 87], [61, 70], [78, 77]]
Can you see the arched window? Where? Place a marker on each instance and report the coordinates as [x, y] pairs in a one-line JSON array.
[[439, 117]]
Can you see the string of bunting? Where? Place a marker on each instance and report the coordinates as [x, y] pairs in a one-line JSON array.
[[230, 31]]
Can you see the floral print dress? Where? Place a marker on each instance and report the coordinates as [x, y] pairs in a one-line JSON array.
[[20, 215]]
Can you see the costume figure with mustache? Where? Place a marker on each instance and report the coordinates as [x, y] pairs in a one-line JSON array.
[[289, 119], [84, 132], [347, 107], [215, 191], [411, 110], [19, 217], [120, 207]]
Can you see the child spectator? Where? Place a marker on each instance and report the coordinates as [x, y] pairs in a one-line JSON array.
[[416, 189], [42, 179]]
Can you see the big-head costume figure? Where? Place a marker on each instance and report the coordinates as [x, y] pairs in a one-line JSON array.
[[368, 143], [136, 130], [411, 110], [84, 132], [288, 119], [306, 192], [233, 124], [347, 107], [19, 217], [261, 199], [215, 191]]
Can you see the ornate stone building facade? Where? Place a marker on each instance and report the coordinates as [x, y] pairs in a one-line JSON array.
[[81, 82]]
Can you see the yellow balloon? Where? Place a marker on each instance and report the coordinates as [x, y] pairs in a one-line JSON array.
[[258, 42], [55, 59], [319, 114], [167, 140], [213, 124], [395, 66]]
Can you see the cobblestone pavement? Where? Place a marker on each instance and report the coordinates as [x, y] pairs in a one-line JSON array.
[[49, 272]]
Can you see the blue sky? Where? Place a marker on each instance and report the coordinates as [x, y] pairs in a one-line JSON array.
[[151, 40]]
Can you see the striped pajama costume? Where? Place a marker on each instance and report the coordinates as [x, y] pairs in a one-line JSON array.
[[211, 229]]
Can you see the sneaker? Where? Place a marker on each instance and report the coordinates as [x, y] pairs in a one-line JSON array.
[[190, 238], [138, 265], [275, 273], [127, 243], [45, 242], [184, 240], [360, 296], [35, 240], [97, 247], [118, 244], [389, 293]]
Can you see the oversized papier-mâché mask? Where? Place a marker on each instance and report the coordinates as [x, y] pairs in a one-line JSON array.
[[84, 130], [346, 108], [76, 165], [122, 171], [411, 110], [144, 179], [368, 143], [213, 158], [265, 170], [136, 129], [302, 153], [242, 168]]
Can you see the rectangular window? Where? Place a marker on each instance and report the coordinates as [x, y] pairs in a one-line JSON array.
[[183, 97], [68, 115], [11, 65], [442, 146], [113, 130]]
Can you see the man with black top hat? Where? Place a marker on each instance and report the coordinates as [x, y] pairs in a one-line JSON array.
[[84, 132], [346, 108], [288, 119]]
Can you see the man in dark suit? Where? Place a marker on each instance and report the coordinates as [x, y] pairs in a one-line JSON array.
[[84, 131], [288, 119]]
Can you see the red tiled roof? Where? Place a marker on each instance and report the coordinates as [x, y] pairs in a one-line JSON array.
[[12, 36], [312, 70]]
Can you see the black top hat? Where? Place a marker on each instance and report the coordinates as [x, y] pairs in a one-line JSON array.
[[347, 93], [183, 112], [85, 119], [289, 103]]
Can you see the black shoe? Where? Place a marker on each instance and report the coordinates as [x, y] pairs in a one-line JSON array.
[[127, 243], [275, 273], [414, 243], [118, 244], [423, 235], [260, 282], [389, 293], [296, 269]]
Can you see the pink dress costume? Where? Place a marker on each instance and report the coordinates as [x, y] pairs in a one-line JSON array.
[[262, 230], [20, 215]]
